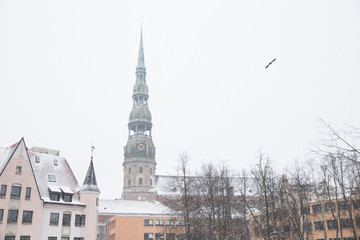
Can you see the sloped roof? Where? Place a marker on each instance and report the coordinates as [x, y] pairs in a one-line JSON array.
[[90, 183], [133, 208]]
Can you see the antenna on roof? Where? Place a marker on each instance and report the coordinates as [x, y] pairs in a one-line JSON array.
[[92, 150]]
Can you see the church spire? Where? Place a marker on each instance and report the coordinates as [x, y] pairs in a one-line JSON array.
[[90, 183], [141, 59]]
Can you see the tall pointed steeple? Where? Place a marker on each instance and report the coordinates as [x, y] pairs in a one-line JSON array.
[[139, 152], [90, 183], [141, 59]]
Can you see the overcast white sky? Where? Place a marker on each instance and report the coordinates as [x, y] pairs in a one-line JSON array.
[[67, 69]]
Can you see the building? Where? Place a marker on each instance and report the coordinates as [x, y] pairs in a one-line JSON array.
[[148, 220], [40, 197], [317, 220], [139, 152]]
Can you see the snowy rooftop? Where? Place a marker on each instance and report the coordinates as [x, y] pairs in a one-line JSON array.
[[133, 208]]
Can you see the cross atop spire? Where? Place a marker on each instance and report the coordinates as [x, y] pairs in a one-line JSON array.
[[141, 60]]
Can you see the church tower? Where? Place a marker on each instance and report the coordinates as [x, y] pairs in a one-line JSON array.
[[139, 152]]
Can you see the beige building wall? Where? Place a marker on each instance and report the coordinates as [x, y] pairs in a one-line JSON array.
[[24, 179]]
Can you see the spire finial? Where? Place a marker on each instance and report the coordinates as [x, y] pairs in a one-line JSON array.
[[92, 150], [141, 60]]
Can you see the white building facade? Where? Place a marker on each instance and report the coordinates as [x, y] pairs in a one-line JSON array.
[[40, 197]]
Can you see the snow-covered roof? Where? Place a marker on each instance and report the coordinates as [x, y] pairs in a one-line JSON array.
[[120, 207], [65, 181]]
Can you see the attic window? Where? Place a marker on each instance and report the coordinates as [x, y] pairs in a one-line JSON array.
[[52, 178], [56, 162], [37, 159]]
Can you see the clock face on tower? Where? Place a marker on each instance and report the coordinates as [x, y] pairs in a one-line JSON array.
[[141, 147]]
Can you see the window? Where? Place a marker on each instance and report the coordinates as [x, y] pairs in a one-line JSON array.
[[129, 182], [330, 207], [52, 178], [1, 215], [64, 238], [52, 238], [56, 163], [28, 193], [148, 236], [319, 226], [27, 216], [54, 219], [15, 192], [140, 181], [170, 236], [12, 216], [317, 208], [150, 170], [129, 170], [170, 223], [150, 182], [308, 227], [357, 222], [148, 222], [3, 191], [159, 222], [346, 223], [180, 236], [54, 196], [286, 229], [180, 223], [332, 224], [78, 238], [305, 210], [66, 219], [18, 169], [9, 237], [37, 159], [79, 220], [356, 204], [159, 236], [24, 237], [343, 206], [67, 197], [140, 170]]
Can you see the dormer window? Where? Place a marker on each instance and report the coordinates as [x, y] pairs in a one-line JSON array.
[[37, 159], [18, 170], [52, 178], [54, 193], [56, 162], [67, 194], [67, 197]]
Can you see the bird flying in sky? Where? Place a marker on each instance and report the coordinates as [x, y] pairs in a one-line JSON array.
[[270, 63]]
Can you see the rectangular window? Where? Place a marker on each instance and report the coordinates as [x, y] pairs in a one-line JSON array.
[[54, 196], [170, 236], [79, 220], [305, 210], [357, 222], [317, 208], [54, 219], [3, 191], [24, 237], [9, 237], [52, 238], [346, 223], [308, 227], [343, 206], [356, 204], [52, 178], [27, 216], [159, 222], [18, 170], [12, 216], [78, 238], [148, 222], [148, 236], [1, 215], [67, 197], [286, 229], [332, 224], [37, 159], [15, 192], [64, 238], [330, 207], [170, 223], [180, 236], [28, 193], [56, 162], [319, 226], [159, 236], [66, 219], [180, 223]]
